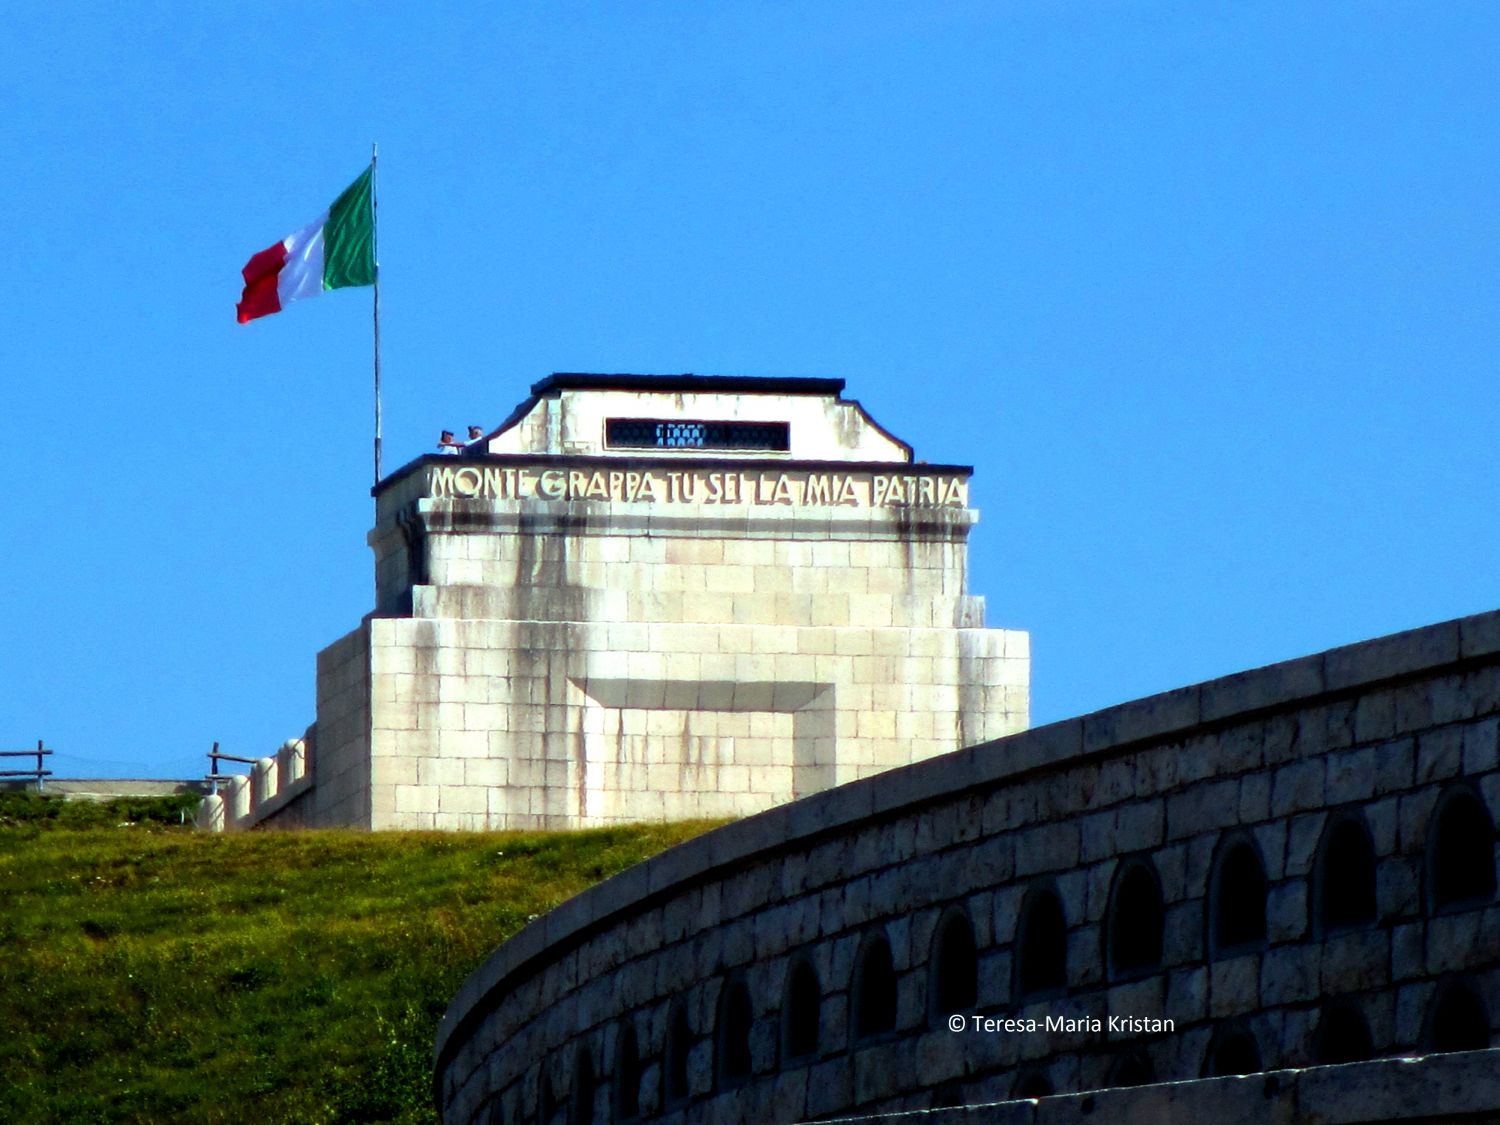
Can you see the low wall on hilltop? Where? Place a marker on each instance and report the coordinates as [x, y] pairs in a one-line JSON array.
[[1281, 868]]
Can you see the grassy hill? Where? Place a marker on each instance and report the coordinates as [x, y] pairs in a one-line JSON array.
[[151, 973]]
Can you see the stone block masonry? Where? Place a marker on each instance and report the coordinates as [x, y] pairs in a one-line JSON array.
[[655, 597], [1289, 867]]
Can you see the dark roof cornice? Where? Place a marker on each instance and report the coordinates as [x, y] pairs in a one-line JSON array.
[[703, 384]]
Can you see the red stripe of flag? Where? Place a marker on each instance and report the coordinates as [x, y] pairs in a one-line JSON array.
[[261, 273]]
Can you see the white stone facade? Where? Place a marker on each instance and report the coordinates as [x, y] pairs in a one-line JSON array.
[[649, 597]]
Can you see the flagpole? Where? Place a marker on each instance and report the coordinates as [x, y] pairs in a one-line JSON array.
[[375, 247]]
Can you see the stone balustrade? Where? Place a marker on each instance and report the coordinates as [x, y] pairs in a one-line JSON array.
[[271, 788]]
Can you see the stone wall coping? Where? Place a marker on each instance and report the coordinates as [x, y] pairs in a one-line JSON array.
[[1434, 1087], [1158, 718]]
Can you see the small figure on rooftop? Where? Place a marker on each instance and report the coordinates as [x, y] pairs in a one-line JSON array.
[[449, 445]]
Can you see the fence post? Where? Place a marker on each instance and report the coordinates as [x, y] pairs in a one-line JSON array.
[[41, 782]]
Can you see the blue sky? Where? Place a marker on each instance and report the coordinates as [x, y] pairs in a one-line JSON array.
[[1206, 294]]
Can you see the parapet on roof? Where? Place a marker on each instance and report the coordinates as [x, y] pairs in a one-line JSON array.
[[702, 384], [619, 415]]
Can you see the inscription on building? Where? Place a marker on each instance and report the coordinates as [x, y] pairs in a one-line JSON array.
[[699, 486]]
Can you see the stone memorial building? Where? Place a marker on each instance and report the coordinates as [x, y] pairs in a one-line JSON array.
[[648, 597]]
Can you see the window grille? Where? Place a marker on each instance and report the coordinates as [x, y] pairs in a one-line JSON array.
[[652, 433]]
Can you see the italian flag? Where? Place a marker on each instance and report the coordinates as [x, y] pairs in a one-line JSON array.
[[335, 252]]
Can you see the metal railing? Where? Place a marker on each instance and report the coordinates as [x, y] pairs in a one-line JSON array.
[[215, 756], [39, 775]]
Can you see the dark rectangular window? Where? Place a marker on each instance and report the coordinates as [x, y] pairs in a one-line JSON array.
[[651, 433]]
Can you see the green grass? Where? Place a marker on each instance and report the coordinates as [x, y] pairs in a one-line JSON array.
[[151, 973]]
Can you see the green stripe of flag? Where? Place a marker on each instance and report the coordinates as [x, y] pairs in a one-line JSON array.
[[349, 237]]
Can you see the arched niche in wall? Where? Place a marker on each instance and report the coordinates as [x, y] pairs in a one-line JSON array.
[[953, 979], [1236, 903], [1232, 1050], [627, 1084], [1033, 1083], [584, 1087], [732, 1060], [801, 1012], [1460, 851], [1134, 921], [1458, 1020], [675, 1052], [872, 995], [551, 1104], [1342, 891], [1041, 947], [1342, 1036]]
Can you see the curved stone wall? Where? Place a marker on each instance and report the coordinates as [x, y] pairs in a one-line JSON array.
[[1290, 866]]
